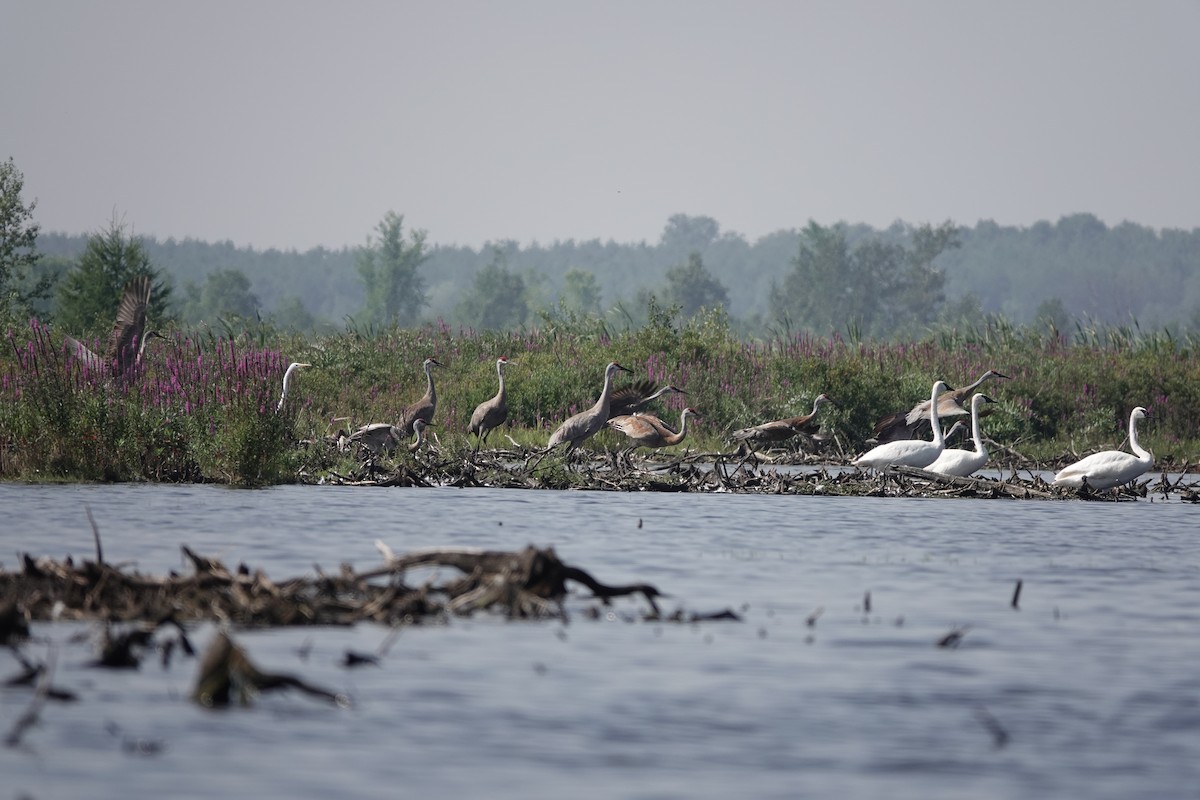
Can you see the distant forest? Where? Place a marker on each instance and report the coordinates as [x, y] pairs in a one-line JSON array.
[[822, 279]]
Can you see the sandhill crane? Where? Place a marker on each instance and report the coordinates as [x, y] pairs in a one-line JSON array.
[[647, 430], [419, 426], [383, 437], [904, 424], [378, 437], [585, 424], [1110, 468], [127, 340], [490, 413], [964, 462], [635, 397], [910, 452], [782, 429], [423, 408], [287, 377]]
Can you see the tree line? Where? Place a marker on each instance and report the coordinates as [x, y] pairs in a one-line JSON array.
[[845, 279]]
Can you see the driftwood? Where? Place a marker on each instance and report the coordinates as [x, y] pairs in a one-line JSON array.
[[227, 675], [530, 583], [976, 487], [738, 472]]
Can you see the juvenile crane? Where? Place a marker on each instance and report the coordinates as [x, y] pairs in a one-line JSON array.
[[585, 424], [378, 437], [782, 429], [490, 414], [647, 430], [1110, 468], [909, 452], [635, 397], [127, 340], [419, 426], [964, 462], [423, 408], [904, 424]]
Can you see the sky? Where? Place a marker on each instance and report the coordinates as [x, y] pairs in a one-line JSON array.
[[301, 124]]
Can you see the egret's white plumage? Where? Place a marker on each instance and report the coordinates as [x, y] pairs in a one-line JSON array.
[[287, 379], [1110, 468], [964, 462], [910, 452]]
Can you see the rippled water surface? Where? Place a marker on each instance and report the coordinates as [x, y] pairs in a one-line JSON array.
[[1089, 689]]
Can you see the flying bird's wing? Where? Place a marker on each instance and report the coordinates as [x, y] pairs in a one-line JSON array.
[[127, 331]]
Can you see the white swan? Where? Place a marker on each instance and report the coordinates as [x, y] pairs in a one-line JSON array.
[[964, 462], [910, 452], [1110, 468]]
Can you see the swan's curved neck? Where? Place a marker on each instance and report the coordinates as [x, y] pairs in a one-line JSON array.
[[976, 402], [938, 437], [1134, 445]]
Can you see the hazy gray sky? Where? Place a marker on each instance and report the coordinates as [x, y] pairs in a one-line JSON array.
[[295, 124]]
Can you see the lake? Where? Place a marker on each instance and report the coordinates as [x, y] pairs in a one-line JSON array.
[[1090, 688]]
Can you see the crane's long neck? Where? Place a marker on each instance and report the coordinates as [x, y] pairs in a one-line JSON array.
[[976, 402], [429, 390], [939, 439], [605, 393], [966, 390], [500, 373], [1142, 453]]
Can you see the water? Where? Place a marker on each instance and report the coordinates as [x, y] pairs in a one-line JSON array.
[[1093, 679]]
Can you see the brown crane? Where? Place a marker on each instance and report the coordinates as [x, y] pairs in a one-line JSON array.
[[780, 430], [419, 426], [383, 437], [492, 413], [952, 403], [127, 340], [635, 397], [423, 408], [585, 424], [647, 430], [378, 437]]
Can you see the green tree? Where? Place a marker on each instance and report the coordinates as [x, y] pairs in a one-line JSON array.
[[89, 295], [389, 268], [684, 234], [580, 292], [879, 287], [20, 287], [497, 300], [691, 287], [225, 293], [293, 316]]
